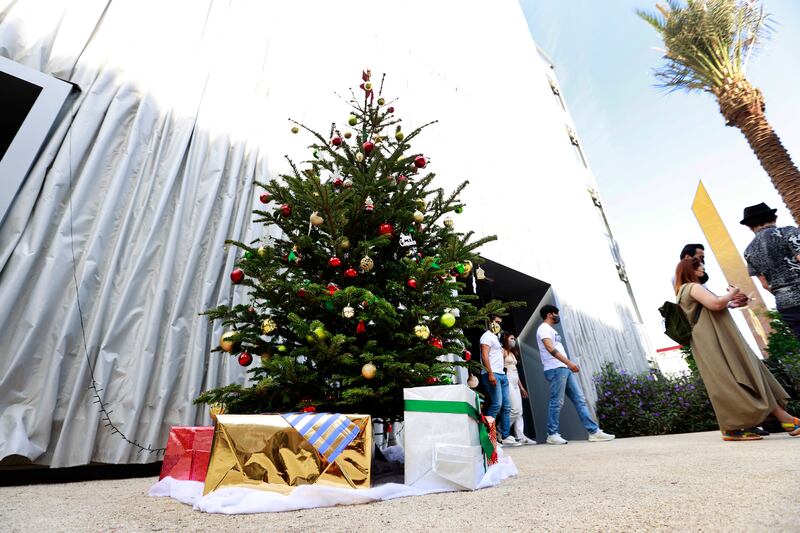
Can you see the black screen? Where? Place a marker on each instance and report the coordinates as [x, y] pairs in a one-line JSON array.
[[16, 100]]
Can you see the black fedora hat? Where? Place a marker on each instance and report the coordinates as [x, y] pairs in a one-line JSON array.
[[757, 214]]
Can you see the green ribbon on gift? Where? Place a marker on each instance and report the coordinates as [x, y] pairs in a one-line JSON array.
[[454, 408]]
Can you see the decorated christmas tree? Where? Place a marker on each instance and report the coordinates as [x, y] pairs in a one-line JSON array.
[[362, 294]]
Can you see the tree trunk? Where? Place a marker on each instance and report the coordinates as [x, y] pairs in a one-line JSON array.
[[742, 105]]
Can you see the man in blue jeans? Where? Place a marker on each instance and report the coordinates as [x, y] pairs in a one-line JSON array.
[[560, 372], [495, 382]]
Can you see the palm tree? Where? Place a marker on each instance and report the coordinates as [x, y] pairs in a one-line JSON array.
[[708, 44]]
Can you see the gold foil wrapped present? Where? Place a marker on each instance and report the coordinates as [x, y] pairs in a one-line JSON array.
[[281, 452]]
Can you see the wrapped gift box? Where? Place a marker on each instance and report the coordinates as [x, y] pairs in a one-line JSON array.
[[446, 446], [186, 456], [280, 452]]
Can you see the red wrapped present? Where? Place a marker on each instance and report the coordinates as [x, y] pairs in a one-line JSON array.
[[188, 451]]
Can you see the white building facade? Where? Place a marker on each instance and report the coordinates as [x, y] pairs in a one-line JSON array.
[[182, 105]]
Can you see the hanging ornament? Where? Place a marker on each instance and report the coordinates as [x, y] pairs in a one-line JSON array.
[[301, 292], [344, 243], [467, 268], [293, 256], [480, 274], [320, 333], [368, 147], [334, 262], [386, 229], [467, 355], [381, 101], [420, 161], [245, 359], [459, 269], [248, 255], [369, 205], [262, 251], [459, 209], [422, 331], [436, 342], [369, 371], [431, 380], [421, 203], [332, 288], [361, 328], [282, 348], [237, 275], [359, 157], [347, 183], [406, 240], [353, 120], [367, 263], [348, 312], [448, 222], [336, 141], [390, 109], [473, 382], [268, 326], [347, 135], [401, 179], [286, 210], [226, 342], [418, 216], [350, 273], [338, 182], [412, 283], [315, 219], [399, 135], [295, 129], [264, 198], [448, 320]]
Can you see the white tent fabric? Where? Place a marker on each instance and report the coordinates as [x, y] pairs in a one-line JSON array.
[[235, 500], [182, 105]]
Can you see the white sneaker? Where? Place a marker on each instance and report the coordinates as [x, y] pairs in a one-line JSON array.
[[510, 441], [555, 438], [600, 436], [526, 440]]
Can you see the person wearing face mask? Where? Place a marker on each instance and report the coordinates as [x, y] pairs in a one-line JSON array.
[[742, 390], [515, 389], [495, 381], [560, 372]]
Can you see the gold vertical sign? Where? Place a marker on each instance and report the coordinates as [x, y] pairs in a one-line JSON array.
[[732, 264]]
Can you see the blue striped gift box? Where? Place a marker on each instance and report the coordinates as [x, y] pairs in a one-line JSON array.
[[328, 433]]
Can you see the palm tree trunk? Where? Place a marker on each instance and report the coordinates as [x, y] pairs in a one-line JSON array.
[[742, 105]]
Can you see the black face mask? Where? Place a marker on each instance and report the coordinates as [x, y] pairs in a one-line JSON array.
[[703, 279], [556, 319]]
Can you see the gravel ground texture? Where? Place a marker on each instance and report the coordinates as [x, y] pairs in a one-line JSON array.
[[692, 482]]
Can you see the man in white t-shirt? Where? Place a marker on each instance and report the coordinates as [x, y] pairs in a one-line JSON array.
[[495, 382], [560, 372]]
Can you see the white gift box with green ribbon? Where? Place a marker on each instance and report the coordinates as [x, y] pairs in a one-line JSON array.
[[445, 443]]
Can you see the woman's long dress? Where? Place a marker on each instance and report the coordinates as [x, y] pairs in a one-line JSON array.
[[742, 390]]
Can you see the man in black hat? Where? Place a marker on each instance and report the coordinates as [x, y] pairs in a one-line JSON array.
[[774, 258]]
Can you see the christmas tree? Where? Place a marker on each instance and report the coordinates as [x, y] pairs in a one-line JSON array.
[[363, 292]]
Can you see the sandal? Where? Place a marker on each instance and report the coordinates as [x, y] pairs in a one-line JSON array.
[[740, 435], [793, 427]]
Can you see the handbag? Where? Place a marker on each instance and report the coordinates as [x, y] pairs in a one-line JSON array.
[[676, 324]]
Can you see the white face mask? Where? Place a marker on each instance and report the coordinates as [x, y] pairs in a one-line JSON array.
[[512, 343]]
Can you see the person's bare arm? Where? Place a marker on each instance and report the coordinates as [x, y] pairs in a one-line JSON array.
[[487, 365], [711, 301], [548, 345]]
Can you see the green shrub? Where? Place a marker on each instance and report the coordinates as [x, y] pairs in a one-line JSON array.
[[631, 405], [784, 359]]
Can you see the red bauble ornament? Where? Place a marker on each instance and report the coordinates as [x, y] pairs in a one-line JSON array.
[[412, 283], [390, 109], [467, 355], [264, 198], [386, 229], [301, 293], [368, 147], [237, 275], [338, 182], [336, 141], [361, 328], [401, 178], [420, 161], [309, 409], [334, 262], [350, 273], [286, 210], [245, 359], [431, 380], [332, 288], [436, 342]]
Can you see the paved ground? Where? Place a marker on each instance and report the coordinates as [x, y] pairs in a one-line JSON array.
[[692, 482]]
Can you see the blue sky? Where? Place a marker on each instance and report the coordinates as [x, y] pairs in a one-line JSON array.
[[648, 149]]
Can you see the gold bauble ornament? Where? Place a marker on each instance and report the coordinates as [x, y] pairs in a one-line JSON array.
[[422, 331], [226, 343], [419, 216], [359, 157], [295, 129], [347, 135], [367, 263], [262, 251], [268, 326], [369, 371], [467, 268], [344, 244], [348, 312], [448, 222], [315, 219], [421, 203]]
